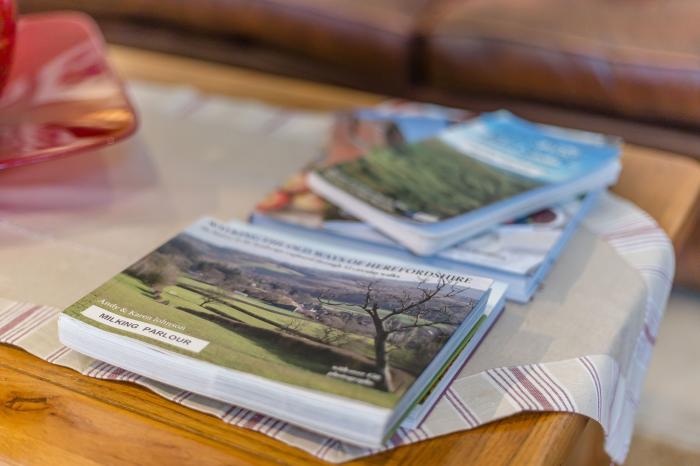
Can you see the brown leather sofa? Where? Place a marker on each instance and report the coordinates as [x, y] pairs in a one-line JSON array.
[[626, 67], [635, 59], [632, 61]]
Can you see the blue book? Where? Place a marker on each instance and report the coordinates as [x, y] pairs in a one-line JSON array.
[[431, 194]]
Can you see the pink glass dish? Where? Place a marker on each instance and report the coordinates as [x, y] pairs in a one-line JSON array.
[[61, 96]]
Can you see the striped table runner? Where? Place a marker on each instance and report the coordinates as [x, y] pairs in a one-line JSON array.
[[598, 385], [526, 363]]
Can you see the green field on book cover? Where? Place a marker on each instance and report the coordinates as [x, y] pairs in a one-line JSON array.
[[295, 315], [466, 167], [425, 181]]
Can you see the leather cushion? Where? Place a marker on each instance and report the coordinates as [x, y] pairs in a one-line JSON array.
[[637, 59], [363, 35]]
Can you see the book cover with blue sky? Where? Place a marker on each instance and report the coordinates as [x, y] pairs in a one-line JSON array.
[[543, 153]]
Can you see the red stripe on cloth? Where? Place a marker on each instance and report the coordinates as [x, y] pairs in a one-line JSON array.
[[254, 420], [638, 222], [596, 382], [241, 416], [512, 382], [93, 370], [555, 384], [117, 372], [525, 381], [546, 387], [105, 371], [600, 387], [638, 244], [505, 388], [18, 320], [57, 354], [632, 232], [39, 319], [129, 376]]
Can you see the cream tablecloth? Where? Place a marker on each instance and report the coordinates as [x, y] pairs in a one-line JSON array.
[[583, 345]]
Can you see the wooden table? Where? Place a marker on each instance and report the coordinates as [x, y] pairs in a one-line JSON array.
[[51, 415]]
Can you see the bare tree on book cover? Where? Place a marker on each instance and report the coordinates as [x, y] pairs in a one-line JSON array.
[[300, 322], [387, 324]]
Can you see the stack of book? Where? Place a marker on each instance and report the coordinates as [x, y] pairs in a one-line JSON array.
[[493, 195], [361, 287]]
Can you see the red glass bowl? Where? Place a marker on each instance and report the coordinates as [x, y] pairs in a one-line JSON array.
[[7, 37], [61, 96]]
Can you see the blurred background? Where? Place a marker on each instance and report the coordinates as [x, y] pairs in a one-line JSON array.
[[630, 68]]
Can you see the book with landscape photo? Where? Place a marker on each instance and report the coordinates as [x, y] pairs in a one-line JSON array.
[[433, 193], [327, 338]]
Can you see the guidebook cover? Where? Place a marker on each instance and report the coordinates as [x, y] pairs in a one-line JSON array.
[[518, 246], [468, 166], [245, 299], [353, 134]]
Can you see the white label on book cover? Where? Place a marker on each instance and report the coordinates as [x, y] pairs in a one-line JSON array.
[[144, 329]]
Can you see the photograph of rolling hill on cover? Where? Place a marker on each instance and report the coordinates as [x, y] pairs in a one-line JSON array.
[[339, 333], [427, 181], [352, 136]]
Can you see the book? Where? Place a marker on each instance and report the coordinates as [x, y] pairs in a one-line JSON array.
[[518, 252], [494, 307], [326, 338], [431, 194]]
